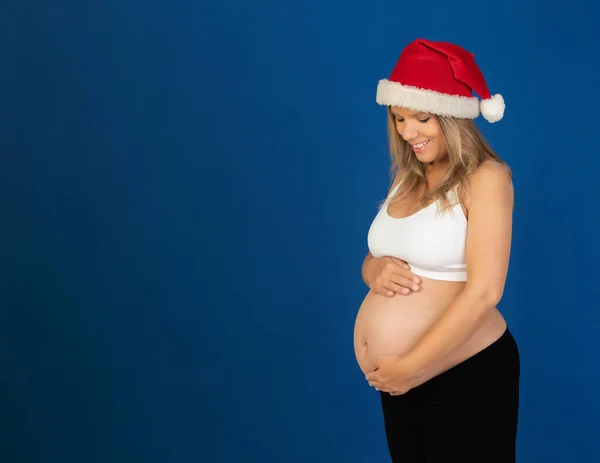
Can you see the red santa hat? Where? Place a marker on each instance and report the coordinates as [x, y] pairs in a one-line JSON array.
[[439, 78]]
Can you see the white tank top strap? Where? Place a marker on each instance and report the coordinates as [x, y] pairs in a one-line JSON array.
[[393, 192]]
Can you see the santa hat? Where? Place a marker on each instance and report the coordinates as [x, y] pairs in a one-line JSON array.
[[439, 78]]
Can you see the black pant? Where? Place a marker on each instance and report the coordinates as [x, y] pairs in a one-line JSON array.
[[466, 414]]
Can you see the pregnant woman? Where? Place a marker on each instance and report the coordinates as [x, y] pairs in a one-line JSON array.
[[442, 357]]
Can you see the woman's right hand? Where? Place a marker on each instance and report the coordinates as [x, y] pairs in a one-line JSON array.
[[389, 276]]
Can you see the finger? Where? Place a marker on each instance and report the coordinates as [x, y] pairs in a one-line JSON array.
[[407, 274], [404, 282], [389, 292], [373, 376], [390, 288], [401, 272], [401, 391], [398, 288], [387, 283]]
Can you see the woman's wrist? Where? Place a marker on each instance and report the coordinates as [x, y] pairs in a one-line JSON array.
[[365, 269]]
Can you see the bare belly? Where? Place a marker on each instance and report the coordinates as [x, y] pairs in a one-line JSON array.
[[387, 326]]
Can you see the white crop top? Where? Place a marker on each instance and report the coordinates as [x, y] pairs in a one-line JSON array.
[[431, 242]]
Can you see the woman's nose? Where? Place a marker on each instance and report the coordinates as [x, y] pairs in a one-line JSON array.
[[409, 132]]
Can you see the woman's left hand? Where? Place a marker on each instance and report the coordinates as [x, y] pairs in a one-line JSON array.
[[393, 373]]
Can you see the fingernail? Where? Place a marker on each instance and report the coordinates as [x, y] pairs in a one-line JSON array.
[[415, 288]]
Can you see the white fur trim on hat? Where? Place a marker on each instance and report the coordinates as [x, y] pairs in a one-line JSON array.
[[395, 94], [492, 109]]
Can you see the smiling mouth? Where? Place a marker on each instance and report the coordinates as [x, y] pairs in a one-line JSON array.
[[420, 146]]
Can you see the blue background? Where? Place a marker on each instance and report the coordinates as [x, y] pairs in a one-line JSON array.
[[186, 190]]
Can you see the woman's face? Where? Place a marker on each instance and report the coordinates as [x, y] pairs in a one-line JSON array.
[[423, 132]]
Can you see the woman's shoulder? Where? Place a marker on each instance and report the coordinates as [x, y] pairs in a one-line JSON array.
[[491, 170], [395, 184], [491, 179]]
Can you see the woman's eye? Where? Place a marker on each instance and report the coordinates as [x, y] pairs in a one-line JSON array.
[[420, 120]]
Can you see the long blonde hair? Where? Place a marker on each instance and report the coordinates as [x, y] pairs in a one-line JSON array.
[[466, 150]]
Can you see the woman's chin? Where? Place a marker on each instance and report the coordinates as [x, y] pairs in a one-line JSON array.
[[424, 158]]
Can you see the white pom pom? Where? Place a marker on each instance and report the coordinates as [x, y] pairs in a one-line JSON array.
[[493, 109]]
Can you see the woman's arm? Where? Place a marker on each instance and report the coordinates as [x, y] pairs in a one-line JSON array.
[[369, 257], [490, 206]]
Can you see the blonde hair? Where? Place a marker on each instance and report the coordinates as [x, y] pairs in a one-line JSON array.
[[466, 150]]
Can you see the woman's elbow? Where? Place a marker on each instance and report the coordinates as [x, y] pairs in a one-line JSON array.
[[493, 297], [487, 295]]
